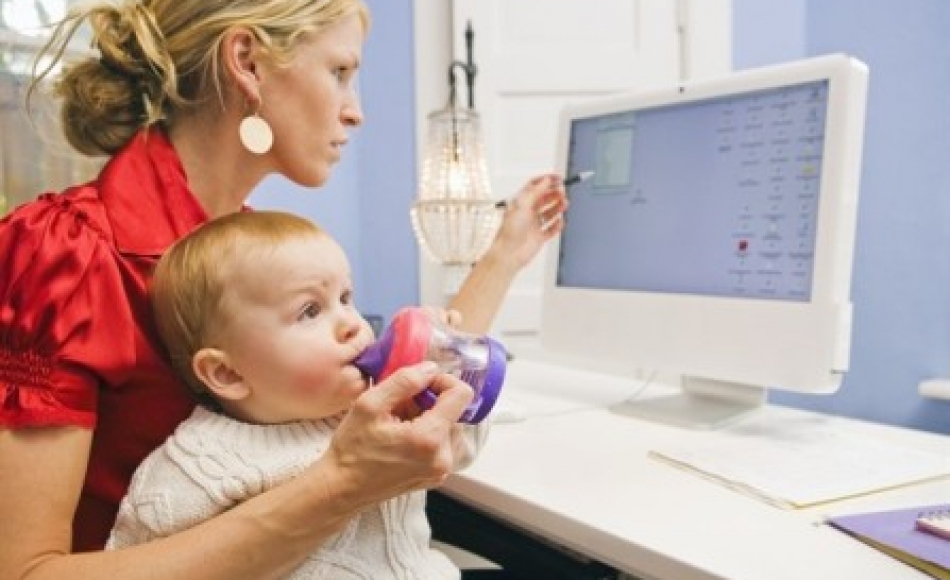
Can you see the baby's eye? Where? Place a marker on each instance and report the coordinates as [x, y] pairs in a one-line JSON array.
[[346, 297], [311, 310]]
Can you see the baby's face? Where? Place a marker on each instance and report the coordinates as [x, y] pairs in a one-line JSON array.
[[294, 332]]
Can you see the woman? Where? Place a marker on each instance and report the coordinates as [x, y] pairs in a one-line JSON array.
[[195, 101]]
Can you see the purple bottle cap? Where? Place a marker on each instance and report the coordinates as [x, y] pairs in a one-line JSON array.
[[494, 379], [372, 361]]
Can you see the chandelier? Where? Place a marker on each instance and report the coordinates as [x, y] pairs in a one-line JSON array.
[[455, 217]]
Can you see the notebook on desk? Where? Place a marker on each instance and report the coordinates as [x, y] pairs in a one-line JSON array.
[[895, 533], [794, 465]]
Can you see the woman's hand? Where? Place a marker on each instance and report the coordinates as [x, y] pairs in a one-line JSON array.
[[380, 453], [446, 316], [532, 217]]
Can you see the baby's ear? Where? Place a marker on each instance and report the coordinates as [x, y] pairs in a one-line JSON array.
[[213, 368]]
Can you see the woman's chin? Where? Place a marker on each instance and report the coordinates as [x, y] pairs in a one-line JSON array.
[[313, 177]]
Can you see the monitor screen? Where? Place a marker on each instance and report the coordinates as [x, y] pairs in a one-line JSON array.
[[740, 222], [715, 236]]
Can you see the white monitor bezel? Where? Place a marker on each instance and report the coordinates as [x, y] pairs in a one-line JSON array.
[[721, 338]]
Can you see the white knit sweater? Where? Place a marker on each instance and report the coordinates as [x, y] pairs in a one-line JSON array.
[[213, 462]]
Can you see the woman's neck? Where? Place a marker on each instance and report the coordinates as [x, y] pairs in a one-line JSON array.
[[221, 172]]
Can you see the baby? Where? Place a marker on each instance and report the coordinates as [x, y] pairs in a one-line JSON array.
[[256, 311]]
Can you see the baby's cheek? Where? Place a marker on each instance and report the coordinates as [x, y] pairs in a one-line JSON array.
[[306, 385]]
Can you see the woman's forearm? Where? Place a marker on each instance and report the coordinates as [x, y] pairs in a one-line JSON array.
[[482, 293], [263, 538], [532, 218]]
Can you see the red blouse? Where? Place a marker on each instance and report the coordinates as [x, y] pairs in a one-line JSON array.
[[77, 344]]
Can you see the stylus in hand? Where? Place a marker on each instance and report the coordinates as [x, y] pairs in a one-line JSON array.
[[578, 177], [568, 181]]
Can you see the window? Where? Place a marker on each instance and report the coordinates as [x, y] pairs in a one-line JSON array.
[[33, 155]]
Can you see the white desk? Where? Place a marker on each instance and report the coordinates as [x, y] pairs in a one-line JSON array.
[[580, 475]]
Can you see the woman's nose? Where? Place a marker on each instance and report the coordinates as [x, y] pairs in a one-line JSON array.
[[352, 113]]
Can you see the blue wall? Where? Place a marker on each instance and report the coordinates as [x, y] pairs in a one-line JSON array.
[[388, 161], [901, 284]]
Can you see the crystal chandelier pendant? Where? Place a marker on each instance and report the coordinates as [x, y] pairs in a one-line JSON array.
[[455, 217]]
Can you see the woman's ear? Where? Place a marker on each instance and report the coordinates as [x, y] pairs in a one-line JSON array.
[[240, 53], [212, 367]]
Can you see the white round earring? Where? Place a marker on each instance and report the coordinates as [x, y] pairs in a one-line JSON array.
[[256, 135]]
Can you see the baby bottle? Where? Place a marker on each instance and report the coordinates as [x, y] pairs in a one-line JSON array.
[[414, 336]]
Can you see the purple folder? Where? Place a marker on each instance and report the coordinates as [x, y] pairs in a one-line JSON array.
[[894, 532]]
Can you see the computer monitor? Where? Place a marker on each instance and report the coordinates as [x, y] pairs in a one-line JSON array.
[[715, 238]]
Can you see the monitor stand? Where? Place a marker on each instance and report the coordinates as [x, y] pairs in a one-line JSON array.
[[702, 404]]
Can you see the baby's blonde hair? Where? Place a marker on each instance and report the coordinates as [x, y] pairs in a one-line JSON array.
[[188, 290], [158, 58]]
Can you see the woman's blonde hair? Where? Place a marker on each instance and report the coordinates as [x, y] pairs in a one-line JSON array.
[[158, 58], [188, 289]]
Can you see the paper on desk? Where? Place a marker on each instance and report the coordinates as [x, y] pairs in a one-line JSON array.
[[800, 463]]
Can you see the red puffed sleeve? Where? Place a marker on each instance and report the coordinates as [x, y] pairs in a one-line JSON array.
[[65, 324]]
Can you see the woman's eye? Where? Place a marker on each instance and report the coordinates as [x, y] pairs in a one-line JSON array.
[[310, 311]]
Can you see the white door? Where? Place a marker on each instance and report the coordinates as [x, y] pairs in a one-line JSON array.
[[533, 56]]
